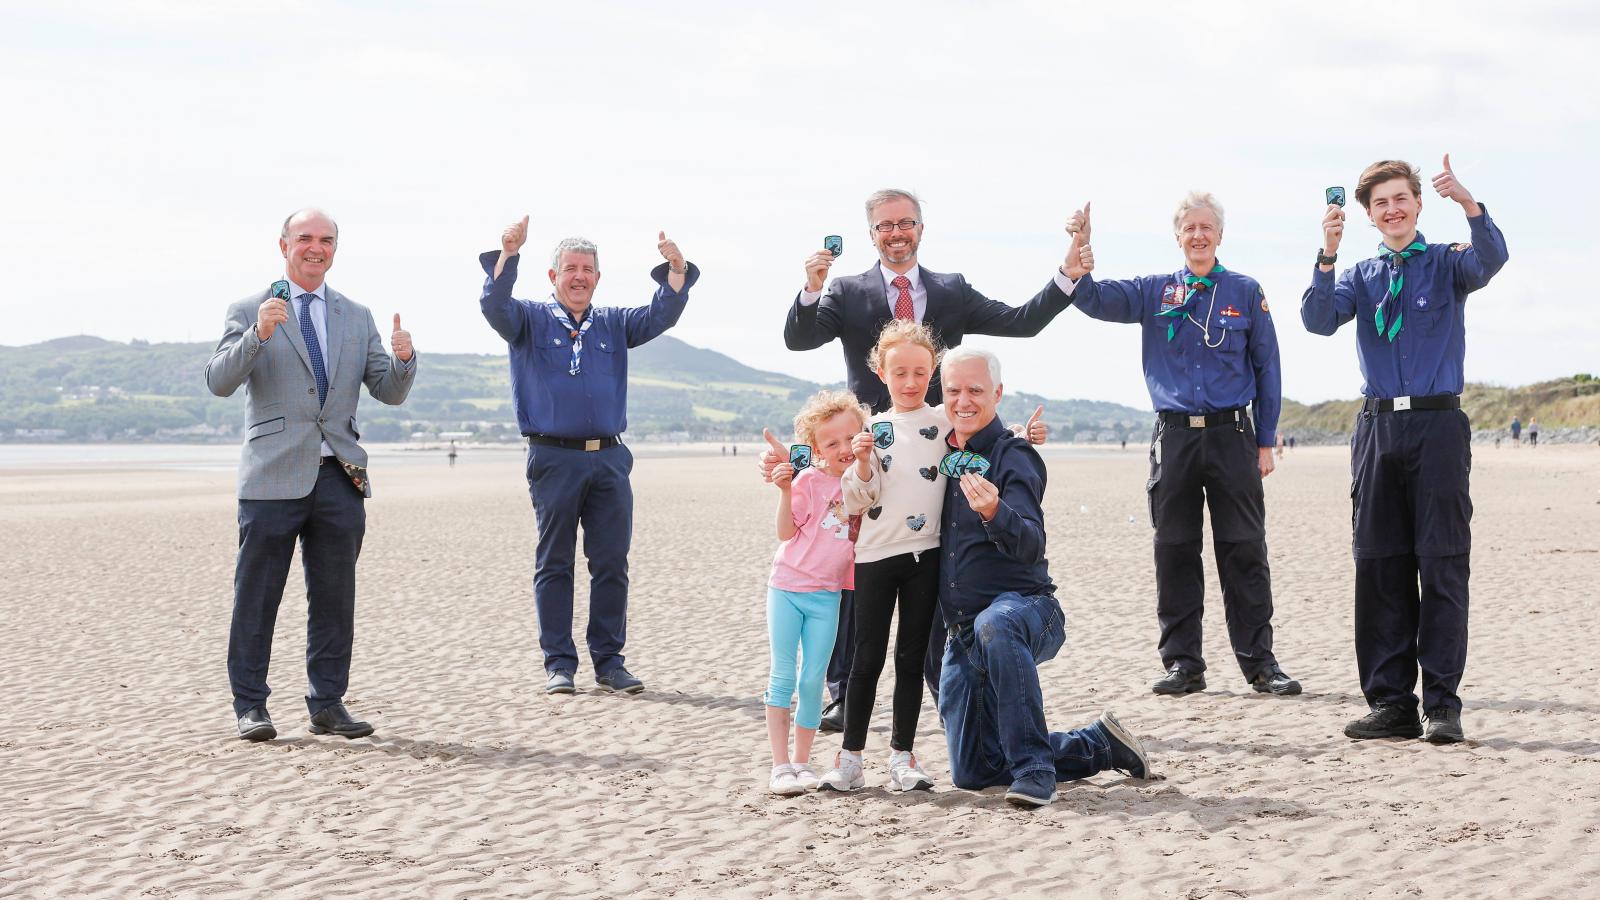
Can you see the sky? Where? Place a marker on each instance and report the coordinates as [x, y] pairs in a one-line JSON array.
[[154, 147]]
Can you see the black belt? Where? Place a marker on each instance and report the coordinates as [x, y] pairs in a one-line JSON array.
[[575, 443], [1401, 404], [1209, 420]]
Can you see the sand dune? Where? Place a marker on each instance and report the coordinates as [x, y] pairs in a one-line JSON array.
[[122, 775]]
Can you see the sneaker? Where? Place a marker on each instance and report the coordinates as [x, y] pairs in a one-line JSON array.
[[1443, 726], [905, 774], [619, 679], [1128, 755], [1179, 680], [1273, 681], [805, 776], [559, 682], [1385, 720], [783, 782], [1036, 790], [846, 774]]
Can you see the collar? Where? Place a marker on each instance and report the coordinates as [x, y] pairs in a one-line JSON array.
[[914, 276], [1383, 247], [320, 293], [983, 442], [1217, 268]]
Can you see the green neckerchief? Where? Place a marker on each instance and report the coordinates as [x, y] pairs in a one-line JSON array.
[[1177, 312], [1397, 280]]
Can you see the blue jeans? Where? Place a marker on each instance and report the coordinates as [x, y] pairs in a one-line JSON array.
[[800, 624], [990, 702]]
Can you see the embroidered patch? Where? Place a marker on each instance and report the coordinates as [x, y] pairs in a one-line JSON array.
[[1231, 312], [1264, 305], [1422, 303], [1173, 295], [1459, 248], [1262, 293], [882, 434]]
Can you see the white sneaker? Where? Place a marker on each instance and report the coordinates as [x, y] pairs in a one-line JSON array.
[[846, 774], [905, 774], [783, 782], [805, 776]]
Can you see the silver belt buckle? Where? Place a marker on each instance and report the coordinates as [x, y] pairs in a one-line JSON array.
[[593, 444], [1401, 404], [1197, 421]]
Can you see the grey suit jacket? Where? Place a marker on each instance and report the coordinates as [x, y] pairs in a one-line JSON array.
[[286, 426]]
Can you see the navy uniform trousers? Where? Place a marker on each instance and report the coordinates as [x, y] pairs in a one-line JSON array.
[[1412, 519], [329, 524], [1216, 467], [591, 488]]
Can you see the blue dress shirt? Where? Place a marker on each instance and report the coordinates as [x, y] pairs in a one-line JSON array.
[[548, 399], [1230, 363], [1425, 358], [981, 560]]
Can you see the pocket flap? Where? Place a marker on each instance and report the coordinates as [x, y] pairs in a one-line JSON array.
[[270, 426]]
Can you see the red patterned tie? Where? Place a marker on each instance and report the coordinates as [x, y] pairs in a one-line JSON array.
[[902, 304]]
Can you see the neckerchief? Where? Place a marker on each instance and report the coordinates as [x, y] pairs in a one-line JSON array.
[[575, 332], [1195, 284], [1397, 280]]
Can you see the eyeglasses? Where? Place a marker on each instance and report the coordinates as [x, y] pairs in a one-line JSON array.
[[903, 225]]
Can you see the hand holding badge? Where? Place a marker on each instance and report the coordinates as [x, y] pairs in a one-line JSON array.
[[274, 310]]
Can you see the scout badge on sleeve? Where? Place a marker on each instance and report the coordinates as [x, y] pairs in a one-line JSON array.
[[883, 435], [962, 462]]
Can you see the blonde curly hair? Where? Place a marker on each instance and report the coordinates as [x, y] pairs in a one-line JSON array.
[[903, 331], [822, 406]]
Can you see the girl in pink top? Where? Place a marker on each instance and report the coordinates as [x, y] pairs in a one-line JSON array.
[[813, 564]]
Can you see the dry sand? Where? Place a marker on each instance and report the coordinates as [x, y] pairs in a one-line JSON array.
[[122, 775]]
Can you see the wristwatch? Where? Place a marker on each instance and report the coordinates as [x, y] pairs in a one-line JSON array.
[[1326, 260], [678, 271]]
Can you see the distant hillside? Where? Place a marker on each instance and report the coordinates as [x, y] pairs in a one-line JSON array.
[[1564, 405], [88, 389]]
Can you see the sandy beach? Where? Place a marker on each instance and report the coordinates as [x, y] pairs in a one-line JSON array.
[[123, 775]]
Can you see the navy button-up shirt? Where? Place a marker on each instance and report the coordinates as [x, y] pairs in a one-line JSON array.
[[547, 398], [1425, 358], [1229, 362], [978, 560]]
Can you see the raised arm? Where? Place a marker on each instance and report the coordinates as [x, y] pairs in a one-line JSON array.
[[814, 318], [673, 279], [1326, 306], [388, 378], [1474, 264], [505, 315]]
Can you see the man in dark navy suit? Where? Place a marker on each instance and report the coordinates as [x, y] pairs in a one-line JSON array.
[[856, 307]]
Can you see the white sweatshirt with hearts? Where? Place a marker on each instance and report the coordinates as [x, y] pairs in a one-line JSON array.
[[901, 506]]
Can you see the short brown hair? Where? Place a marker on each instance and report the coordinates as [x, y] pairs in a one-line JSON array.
[[1387, 170], [903, 331], [822, 406], [879, 198]]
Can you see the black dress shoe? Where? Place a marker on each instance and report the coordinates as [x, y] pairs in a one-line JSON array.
[[1443, 726], [336, 719], [256, 725], [1385, 720], [1273, 681], [832, 718], [1179, 680]]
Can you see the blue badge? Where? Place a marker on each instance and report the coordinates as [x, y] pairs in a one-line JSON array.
[[1422, 303], [883, 435]]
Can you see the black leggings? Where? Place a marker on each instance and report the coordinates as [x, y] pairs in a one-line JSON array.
[[915, 580]]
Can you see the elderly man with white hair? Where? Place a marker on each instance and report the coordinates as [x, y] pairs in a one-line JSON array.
[[1210, 353], [997, 598]]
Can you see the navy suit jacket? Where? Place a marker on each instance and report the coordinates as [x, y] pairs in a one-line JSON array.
[[856, 307]]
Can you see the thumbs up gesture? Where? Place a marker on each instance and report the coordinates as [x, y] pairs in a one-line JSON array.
[[670, 252], [400, 340], [775, 466], [1448, 187], [1035, 431], [1080, 258]]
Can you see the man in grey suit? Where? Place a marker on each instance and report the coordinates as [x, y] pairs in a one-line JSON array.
[[302, 350]]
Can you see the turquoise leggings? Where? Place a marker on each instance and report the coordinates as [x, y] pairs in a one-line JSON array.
[[805, 622]]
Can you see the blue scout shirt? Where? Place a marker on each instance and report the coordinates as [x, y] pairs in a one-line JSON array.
[[981, 560], [548, 399], [1236, 367], [1425, 358]]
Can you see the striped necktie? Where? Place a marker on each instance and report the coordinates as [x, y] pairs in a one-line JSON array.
[[1397, 280], [308, 333], [574, 333], [903, 308]]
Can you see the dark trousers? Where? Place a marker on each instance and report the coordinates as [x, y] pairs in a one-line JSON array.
[[1215, 468], [569, 488], [843, 656], [910, 582], [329, 523], [1412, 521]]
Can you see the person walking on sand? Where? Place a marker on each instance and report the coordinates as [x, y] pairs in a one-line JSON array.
[[569, 389], [302, 351]]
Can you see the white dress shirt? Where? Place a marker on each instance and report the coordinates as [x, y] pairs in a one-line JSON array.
[[919, 294]]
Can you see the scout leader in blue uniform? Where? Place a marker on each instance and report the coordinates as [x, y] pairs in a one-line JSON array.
[[1412, 450], [1210, 352], [569, 387]]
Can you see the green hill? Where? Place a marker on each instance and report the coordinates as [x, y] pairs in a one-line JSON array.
[[88, 389], [1566, 403]]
